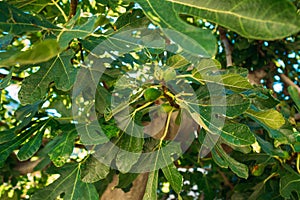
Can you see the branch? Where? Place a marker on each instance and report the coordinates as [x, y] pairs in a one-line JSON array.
[[136, 192], [227, 46], [26, 167], [73, 7], [60, 9], [226, 181], [286, 80], [15, 78]]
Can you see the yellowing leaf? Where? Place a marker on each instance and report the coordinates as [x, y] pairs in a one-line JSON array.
[[271, 118]]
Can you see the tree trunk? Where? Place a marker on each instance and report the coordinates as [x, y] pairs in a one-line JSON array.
[[136, 192]]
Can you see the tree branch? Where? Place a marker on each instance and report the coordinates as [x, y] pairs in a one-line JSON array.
[[226, 181], [15, 78], [136, 192], [286, 80], [227, 46], [73, 7]]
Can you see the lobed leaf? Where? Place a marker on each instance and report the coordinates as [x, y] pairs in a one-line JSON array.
[[289, 183], [15, 21], [204, 42], [40, 52], [237, 134], [256, 19], [70, 184], [174, 177], [58, 70], [238, 168], [151, 187], [93, 170], [64, 145]]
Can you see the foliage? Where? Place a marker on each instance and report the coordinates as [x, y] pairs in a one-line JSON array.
[[156, 77]]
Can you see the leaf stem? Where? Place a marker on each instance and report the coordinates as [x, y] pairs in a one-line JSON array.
[[61, 10], [166, 127], [142, 107], [73, 7], [298, 163], [271, 176], [190, 76], [227, 46]]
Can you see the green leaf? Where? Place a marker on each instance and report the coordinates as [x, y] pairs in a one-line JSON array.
[[203, 41], [93, 170], [91, 133], [273, 19], [5, 40], [128, 20], [295, 96], [157, 159], [218, 159], [169, 74], [238, 168], [64, 145], [26, 113], [7, 148], [289, 182], [203, 74], [126, 179], [269, 149], [82, 31], [151, 187], [235, 82], [270, 118], [6, 80], [177, 62], [15, 21], [194, 112], [174, 177], [237, 134], [130, 151], [58, 70], [102, 99], [263, 98], [70, 184], [234, 104], [6, 136], [33, 145], [258, 190], [38, 53]]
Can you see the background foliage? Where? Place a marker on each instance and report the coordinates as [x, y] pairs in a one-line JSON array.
[[42, 48]]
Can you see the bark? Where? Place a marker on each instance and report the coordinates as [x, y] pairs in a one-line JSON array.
[[256, 76], [73, 8], [136, 192], [227, 46], [288, 82]]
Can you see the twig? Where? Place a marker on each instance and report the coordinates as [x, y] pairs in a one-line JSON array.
[[226, 181], [73, 7], [15, 78], [227, 46], [286, 80], [60, 9]]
